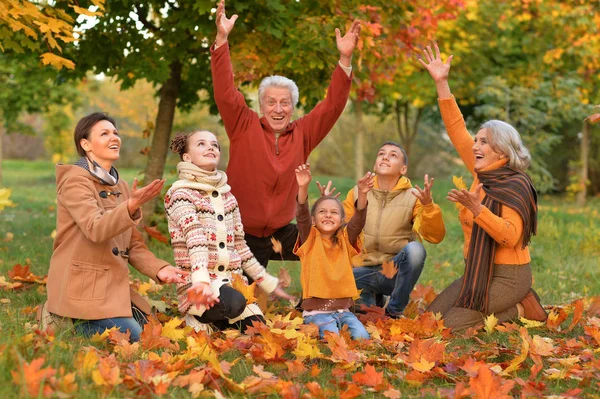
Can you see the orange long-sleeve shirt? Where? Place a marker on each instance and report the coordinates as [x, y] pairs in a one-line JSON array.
[[506, 229]]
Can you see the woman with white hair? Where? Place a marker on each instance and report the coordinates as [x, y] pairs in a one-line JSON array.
[[498, 216]]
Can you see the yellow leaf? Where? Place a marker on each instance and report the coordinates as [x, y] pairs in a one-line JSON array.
[[85, 11], [459, 183], [531, 323], [57, 61], [307, 349], [171, 331], [423, 365], [9, 237], [239, 284], [5, 198], [277, 246], [388, 269], [490, 323]]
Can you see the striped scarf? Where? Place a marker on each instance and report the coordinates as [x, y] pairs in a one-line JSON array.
[[503, 187]]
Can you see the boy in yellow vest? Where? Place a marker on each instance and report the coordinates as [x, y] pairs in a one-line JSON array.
[[398, 217]]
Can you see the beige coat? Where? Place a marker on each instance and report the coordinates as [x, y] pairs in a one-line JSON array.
[[87, 280]]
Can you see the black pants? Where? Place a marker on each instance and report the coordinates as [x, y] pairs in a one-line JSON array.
[[231, 304], [262, 247]]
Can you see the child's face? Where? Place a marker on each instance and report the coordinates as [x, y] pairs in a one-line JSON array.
[[390, 161], [203, 150], [328, 216]]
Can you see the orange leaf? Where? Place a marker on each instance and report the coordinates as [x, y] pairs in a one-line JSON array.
[[594, 308], [577, 313], [277, 246], [315, 389], [389, 269], [424, 292], [284, 278], [315, 370], [157, 235], [593, 118], [369, 377], [486, 385], [392, 394], [239, 283], [34, 376], [22, 273], [352, 392]]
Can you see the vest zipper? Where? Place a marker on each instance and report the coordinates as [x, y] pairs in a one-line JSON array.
[[382, 205]]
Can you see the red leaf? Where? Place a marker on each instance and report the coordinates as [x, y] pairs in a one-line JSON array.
[[369, 377], [157, 235]]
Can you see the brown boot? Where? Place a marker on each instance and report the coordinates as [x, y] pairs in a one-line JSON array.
[[532, 307]]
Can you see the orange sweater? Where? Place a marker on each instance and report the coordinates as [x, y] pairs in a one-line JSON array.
[[506, 229]]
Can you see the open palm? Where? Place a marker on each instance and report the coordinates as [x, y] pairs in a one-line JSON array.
[[438, 69], [348, 42], [224, 24]]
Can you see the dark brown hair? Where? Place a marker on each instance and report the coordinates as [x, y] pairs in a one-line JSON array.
[[84, 127], [399, 147], [313, 209]]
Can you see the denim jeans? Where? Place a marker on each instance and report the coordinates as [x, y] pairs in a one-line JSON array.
[[409, 261], [134, 325], [334, 322]]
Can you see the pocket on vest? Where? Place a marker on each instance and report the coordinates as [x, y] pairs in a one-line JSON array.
[[87, 281]]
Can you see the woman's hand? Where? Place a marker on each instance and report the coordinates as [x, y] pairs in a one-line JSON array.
[[171, 274], [280, 293], [140, 196], [424, 196], [347, 44], [303, 176], [469, 200], [224, 24], [366, 183], [438, 69], [202, 294], [327, 191]]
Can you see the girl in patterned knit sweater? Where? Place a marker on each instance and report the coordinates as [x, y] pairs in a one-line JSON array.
[[208, 239], [325, 247]]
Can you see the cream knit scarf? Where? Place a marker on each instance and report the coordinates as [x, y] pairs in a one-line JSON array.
[[191, 176]]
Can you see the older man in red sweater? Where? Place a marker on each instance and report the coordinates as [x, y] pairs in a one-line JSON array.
[[264, 151]]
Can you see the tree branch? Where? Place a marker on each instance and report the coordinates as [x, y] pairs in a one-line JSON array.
[[142, 16]]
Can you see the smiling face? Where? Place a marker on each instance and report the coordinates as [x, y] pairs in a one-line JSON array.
[[103, 144], [390, 161], [203, 150], [277, 107], [327, 216], [485, 155]]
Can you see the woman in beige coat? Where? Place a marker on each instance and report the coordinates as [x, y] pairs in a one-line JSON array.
[[96, 237]]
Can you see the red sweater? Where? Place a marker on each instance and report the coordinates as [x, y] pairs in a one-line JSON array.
[[261, 168]]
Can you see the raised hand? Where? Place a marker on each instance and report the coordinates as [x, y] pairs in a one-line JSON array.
[[303, 176], [202, 294], [140, 196], [438, 69], [171, 274], [366, 183], [424, 196], [224, 24], [347, 44], [469, 200], [327, 191]]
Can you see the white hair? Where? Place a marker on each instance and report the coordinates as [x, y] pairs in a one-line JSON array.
[[505, 139], [279, 81]]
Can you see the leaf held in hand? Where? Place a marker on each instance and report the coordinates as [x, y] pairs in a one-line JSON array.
[[238, 282]]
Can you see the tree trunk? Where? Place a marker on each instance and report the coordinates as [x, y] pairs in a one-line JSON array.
[[584, 152], [1, 157], [359, 147], [160, 141]]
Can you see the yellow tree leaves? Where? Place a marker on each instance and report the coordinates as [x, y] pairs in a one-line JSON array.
[[41, 26]]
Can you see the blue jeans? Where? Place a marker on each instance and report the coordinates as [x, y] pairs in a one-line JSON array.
[[334, 322], [409, 261], [134, 324]]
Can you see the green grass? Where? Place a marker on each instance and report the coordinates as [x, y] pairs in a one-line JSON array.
[[564, 264]]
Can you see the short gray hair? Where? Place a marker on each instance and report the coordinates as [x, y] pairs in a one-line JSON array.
[[504, 138], [279, 81]]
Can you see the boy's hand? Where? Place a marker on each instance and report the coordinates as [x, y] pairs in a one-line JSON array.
[[424, 195], [327, 191], [366, 183], [303, 176]]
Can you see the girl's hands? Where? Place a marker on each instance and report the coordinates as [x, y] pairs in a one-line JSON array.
[[438, 69], [327, 191], [424, 196], [171, 274], [366, 183], [303, 176], [202, 294], [469, 200]]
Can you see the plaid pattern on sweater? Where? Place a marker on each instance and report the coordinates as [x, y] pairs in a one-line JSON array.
[[207, 237]]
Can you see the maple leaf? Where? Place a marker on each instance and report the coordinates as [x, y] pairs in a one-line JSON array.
[[424, 292], [392, 393], [151, 337], [56, 61], [307, 349], [486, 385], [107, 373], [34, 377], [389, 269], [157, 235], [369, 377], [339, 348], [5, 198], [171, 331], [423, 365], [577, 313], [542, 346], [594, 307], [277, 246], [315, 390], [6, 285], [296, 368], [490, 323], [353, 391], [240, 284], [284, 278], [460, 184]]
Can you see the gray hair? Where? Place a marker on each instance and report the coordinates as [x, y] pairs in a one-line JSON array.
[[504, 138], [279, 81]]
